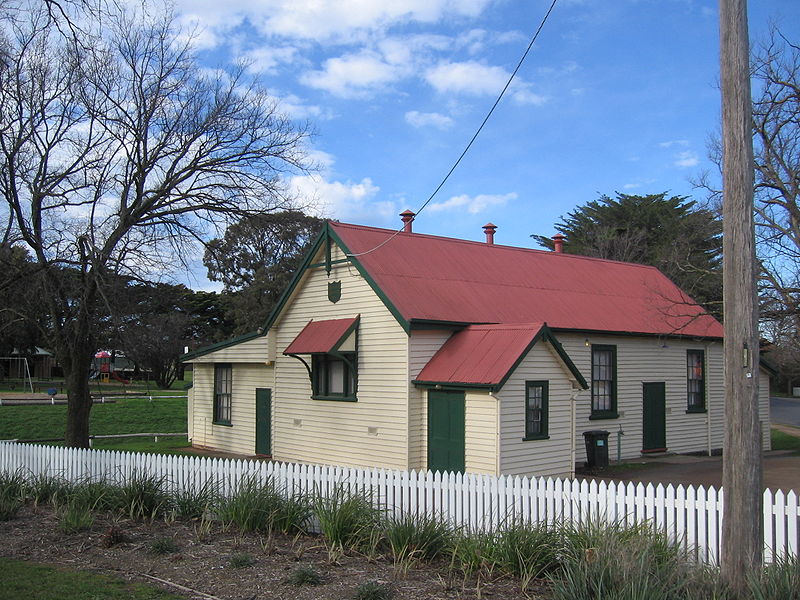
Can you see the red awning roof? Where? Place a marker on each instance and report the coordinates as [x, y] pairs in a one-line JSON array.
[[485, 355], [320, 337], [430, 278]]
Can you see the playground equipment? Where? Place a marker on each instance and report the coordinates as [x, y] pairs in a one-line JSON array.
[[22, 370]]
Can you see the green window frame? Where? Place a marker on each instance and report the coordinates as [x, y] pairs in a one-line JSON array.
[[604, 382], [334, 376], [537, 406], [695, 381], [223, 393]]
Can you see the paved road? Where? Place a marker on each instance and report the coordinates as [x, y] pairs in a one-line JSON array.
[[785, 411]]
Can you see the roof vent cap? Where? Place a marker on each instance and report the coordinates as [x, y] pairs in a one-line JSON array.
[[489, 230], [408, 217], [558, 243]]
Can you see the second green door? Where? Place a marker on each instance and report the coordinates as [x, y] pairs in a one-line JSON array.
[[446, 430]]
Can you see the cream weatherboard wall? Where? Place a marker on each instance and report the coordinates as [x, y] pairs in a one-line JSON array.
[[240, 436], [480, 433], [652, 359], [546, 457], [373, 431]]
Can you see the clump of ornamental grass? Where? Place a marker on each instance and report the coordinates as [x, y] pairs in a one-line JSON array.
[[347, 519], [191, 503], [413, 537], [142, 496], [304, 575], [780, 580]]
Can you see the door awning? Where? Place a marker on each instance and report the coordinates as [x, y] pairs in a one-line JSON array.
[[322, 337]]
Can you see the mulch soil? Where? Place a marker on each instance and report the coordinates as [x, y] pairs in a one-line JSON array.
[[201, 567]]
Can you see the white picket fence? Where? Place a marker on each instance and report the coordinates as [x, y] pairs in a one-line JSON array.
[[691, 515]]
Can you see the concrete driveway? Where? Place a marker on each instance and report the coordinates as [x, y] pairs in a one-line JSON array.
[[785, 411], [781, 469]]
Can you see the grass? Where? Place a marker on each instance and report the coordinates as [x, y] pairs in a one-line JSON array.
[[785, 441], [304, 575], [29, 580], [126, 415], [373, 590]]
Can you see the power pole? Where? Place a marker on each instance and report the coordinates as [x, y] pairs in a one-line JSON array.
[[742, 527]]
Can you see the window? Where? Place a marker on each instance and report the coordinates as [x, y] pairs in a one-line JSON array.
[[334, 376], [536, 399], [223, 387], [604, 382], [695, 381]]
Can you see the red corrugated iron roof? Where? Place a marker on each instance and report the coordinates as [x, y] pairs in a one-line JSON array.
[[431, 278], [480, 354], [321, 336]]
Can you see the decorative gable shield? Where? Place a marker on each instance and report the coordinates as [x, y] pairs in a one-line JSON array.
[[334, 291]]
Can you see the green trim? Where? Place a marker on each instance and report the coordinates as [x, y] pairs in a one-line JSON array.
[[600, 415], [368, 278], [545, 410], [702, 406], [696, 411], [220, 345], [679, 336], [427, 324], [547, 334], [612, 412], [335, 398], [215, 407], [321, 237], [454, 385], [325, 236], [324, 264]]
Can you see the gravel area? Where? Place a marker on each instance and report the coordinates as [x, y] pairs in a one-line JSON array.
[[201, 567]]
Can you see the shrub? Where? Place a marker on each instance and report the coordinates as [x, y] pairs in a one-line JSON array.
[[142, 496], [304, 575], [473, 551], [348, 520], [163, 545], [528, 551], [9, 507], [780, 580], [411, 537], [242, 560], [74, 517], [253, 506], [373, 590], [46, 488], [13, 485], [195, 501], [622, 563]]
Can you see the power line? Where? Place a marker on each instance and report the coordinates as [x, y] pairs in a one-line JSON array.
[[477, 132]]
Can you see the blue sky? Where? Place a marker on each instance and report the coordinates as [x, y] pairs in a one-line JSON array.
[[617, 95]]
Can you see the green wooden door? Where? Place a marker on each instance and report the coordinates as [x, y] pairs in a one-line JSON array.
[[263, 421], [445, 430], [654, 417]]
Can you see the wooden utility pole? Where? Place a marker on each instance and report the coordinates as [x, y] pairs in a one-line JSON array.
[[742, 528]]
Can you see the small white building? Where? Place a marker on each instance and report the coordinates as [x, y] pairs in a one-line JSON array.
[[411, 351]]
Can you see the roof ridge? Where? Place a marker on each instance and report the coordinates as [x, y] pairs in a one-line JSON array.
[[563, 255]]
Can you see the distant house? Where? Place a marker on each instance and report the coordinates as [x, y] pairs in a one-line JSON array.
[[413, 351]]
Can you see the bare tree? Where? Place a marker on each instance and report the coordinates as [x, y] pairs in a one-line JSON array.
[[118, 157]]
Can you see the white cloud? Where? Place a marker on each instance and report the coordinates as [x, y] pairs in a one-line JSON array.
[[473, 204], [418, 119], [631, 186], [477, 79], [687, 159], [297, 109], [346, 201], [670, 143], [267, 59], [469, 77], [352, 75], [320, 20]]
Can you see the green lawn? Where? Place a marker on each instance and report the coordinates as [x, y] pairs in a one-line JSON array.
[[126, 415], [31, 581], [785, 441]]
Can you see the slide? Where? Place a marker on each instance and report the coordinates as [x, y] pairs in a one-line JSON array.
[[116, 376]]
